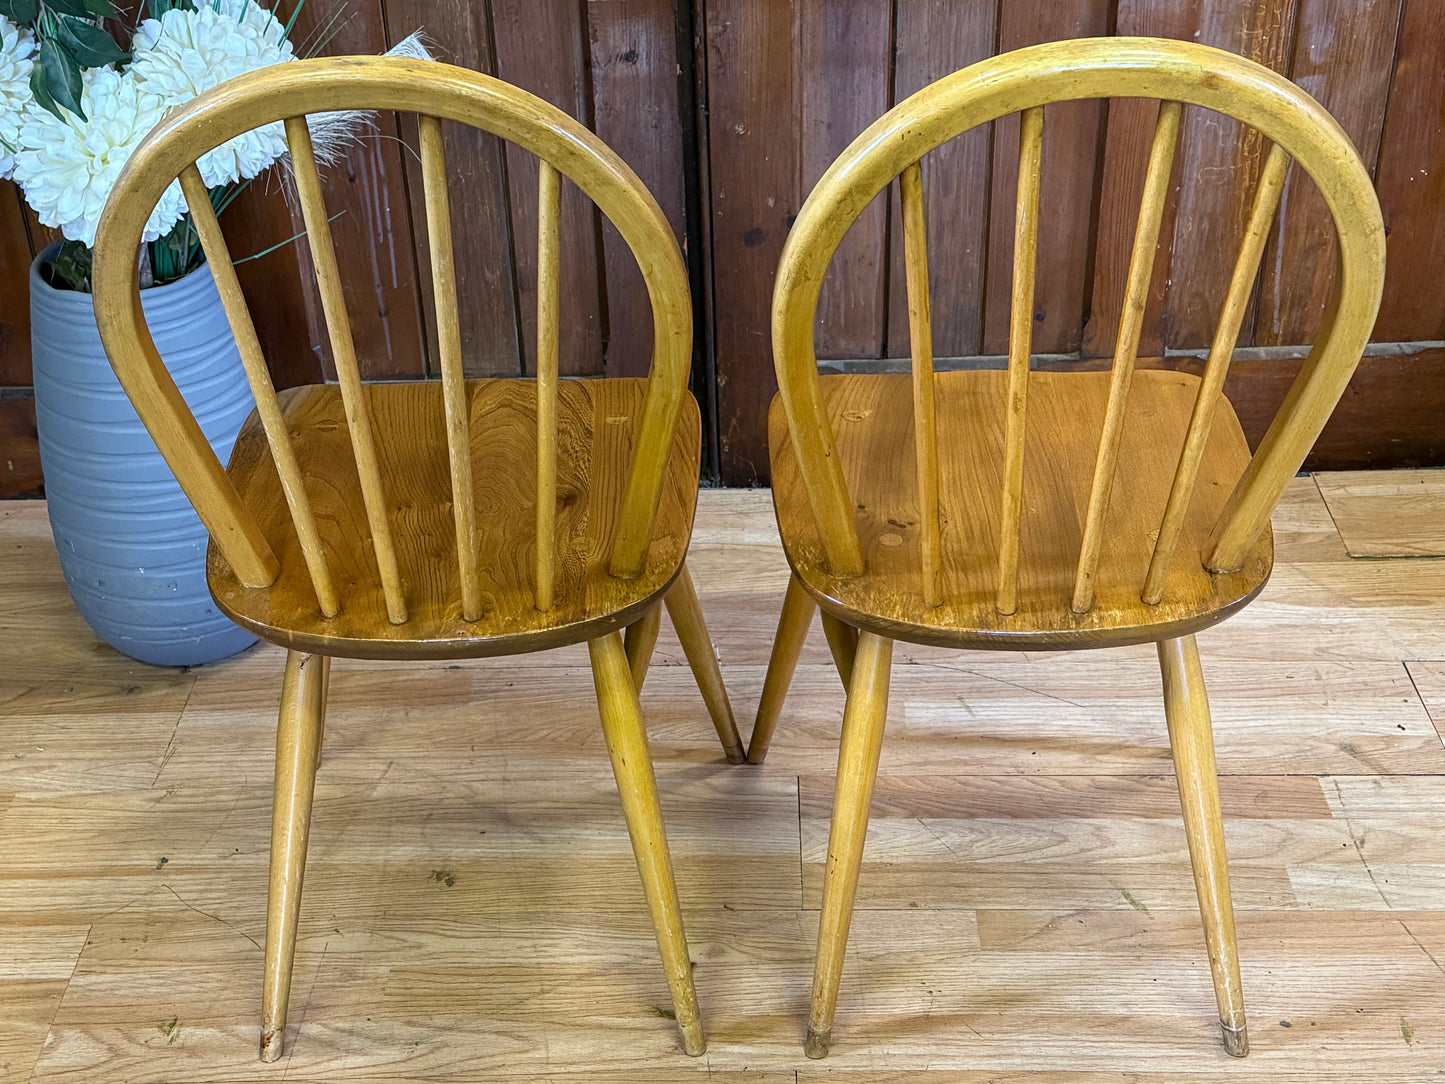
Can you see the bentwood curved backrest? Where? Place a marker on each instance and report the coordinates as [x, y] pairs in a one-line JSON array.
[[1178, 74], [435, 92]]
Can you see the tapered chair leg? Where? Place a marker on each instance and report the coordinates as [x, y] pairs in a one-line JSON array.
[[1186, 706], [843, 643], [298, 746], [863, 719], [640, 640], [793, 624], [686, 614], [632, 764]]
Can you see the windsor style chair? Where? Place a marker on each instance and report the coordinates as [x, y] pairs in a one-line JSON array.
[[905, 506], [429, 520]]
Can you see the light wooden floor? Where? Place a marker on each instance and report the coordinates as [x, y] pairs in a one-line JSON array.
[[472, 911]]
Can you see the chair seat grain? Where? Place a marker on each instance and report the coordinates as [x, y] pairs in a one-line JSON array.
[[872, 417], [596, 423]]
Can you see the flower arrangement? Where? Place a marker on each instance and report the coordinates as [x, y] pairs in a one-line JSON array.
[[74, 104]]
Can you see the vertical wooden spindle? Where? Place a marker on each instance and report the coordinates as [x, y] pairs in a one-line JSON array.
[[1236, 300], [1126, 347], [920, 338], [549, 210], [198, 199], [343, 352], [1020, 341], [449, 344]]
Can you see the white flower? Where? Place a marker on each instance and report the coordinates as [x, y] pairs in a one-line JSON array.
[[68, 167], [16, 48], [184, 53]]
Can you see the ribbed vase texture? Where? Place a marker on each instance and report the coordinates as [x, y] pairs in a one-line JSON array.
[[132, 549]]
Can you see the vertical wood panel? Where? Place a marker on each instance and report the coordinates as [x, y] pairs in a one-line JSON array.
[[540, 48], [1221, 164], [844, 53], [1342, 57], [461, 33], [1126, 154], [1410, 181], [932, 41], [15, 259], [279, 286], [635, 111], [753, 179], [1071, 145]]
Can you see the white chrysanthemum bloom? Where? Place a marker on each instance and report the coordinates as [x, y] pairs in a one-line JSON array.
[[68, 167], [17, 46], [184, 53]]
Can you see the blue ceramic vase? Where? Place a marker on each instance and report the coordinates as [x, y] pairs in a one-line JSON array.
[[132, 549]]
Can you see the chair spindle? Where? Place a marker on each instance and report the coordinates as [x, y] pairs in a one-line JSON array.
[[549, 213], [449, 345], [343, 352], [198, 199], [1126, 347], [920, 337], [1241, 285], [1020, 341]]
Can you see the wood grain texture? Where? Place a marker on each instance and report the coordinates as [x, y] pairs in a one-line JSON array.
[[1019, 796], [931, 41], [20, 474], [596, 428], [1410, 178], [1031, 78], [633, 66], [542, 48], [1152, 203], [1070, 161], [1219, 169], [1343, 58], [843, 58], [431, 142], [920, 338], [462, 33], [754, 195], [872, 417], [1387, 514], [15, 257], [1020, 346]]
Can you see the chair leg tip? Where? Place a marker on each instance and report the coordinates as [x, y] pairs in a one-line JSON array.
[[271, 1044], [694, 1045], [735, 754], [1236, 1040], [816, 1043]]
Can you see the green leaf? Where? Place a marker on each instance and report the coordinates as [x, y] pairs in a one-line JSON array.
[[62, 77], [21, 12], [67, 7], [101, 9], [41, 95], [90, 45]]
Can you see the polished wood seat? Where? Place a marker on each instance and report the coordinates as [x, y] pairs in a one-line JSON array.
[[872, 419], [438, 520], [595, 423], [1020, 509]]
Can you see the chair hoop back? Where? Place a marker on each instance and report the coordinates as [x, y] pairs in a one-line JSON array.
[[436, 92], [1025, 81]]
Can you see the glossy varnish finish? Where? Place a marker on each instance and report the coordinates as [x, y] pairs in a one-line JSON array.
[[870, 415], [1129, 508], [417, 520]]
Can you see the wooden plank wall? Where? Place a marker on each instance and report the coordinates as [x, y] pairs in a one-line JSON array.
[[1376, 64], [782, 87], [611, 63]]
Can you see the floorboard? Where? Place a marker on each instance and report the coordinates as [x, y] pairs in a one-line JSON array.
[[1025, 914]]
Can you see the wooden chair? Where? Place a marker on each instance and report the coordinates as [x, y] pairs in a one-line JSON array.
[[426, 520], [905, 507]]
